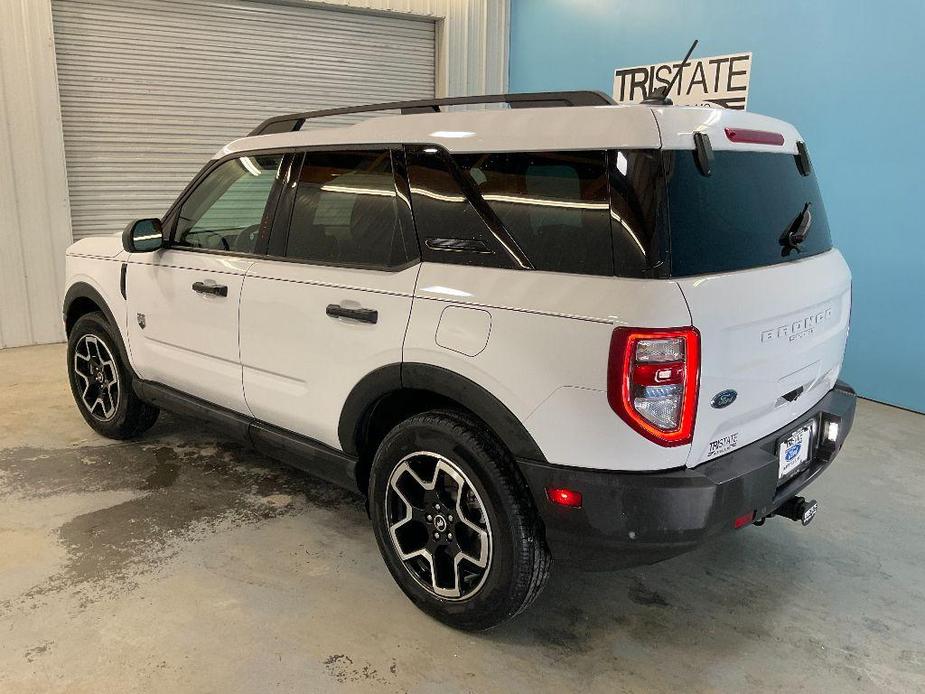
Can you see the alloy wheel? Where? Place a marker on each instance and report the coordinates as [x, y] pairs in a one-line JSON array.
[[97, 377], [438, 525]]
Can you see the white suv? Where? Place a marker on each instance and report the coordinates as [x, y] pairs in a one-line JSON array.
[[569, 330]]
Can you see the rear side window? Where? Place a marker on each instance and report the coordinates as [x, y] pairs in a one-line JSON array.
[[346, 211], [739, 217], [453, 223], [554, 204]]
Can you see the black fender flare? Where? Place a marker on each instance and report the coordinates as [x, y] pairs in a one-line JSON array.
[[437, 380], [82, 290]]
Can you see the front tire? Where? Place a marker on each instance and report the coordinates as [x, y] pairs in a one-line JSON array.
[[101, 382], [455, 523]]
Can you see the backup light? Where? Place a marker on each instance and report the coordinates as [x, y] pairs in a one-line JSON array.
[[831, 431], [653, 380]]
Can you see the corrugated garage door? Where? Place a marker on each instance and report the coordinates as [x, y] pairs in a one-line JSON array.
[[150, 89]]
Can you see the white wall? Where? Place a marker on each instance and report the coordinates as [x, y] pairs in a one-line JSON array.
[[35, 227], [35, 223]]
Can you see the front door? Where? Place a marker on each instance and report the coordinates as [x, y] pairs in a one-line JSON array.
[[183, 301], [331, 303]]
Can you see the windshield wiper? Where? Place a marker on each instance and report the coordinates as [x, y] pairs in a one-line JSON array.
[[797, 232]]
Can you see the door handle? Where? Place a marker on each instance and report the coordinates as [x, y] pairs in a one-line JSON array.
[[210, 288], [364, 315]]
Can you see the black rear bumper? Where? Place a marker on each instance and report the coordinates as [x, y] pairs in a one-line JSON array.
[[627, 518]]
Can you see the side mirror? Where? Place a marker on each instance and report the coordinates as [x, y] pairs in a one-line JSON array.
[[143, 236]]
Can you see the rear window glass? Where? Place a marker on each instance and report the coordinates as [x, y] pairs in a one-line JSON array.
[[554, 204], [345, 211], [450, 227], [740, 216]]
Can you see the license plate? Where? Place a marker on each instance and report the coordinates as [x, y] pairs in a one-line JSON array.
[[794, 449]]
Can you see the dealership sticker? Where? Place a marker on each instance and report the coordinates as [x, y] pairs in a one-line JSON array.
[[723, 445], [720, 80]]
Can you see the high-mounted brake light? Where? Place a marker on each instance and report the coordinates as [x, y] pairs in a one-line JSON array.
[[755, 137], [653, 378]]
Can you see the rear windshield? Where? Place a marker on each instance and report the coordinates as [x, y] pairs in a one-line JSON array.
[[754, 209]]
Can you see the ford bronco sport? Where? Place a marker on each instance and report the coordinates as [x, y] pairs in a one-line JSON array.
[[569, 331]]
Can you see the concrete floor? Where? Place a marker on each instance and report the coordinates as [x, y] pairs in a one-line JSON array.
[[184, 563]]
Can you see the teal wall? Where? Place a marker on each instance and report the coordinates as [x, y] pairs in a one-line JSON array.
[[848, 74]]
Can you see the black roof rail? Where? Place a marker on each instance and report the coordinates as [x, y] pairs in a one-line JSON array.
[[294, 121]]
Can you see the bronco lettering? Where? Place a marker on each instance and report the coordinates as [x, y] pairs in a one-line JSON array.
[[798, 328]]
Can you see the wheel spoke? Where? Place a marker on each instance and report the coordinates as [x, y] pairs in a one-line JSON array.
[[429, 558], [83, 377], [395, 527], [109, 368], [93, 341], [106, 395], [407, 518], [482, 560]]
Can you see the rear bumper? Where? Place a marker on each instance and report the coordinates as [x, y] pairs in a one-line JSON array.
[[627, 519]]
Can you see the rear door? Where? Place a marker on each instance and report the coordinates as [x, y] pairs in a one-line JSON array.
[[331, 302], [183, 301], [751, 251]]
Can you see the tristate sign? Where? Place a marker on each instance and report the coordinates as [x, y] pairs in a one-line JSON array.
[[720, 80]]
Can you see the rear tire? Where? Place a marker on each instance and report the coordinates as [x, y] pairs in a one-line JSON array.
[[455, 522], [101, 382]]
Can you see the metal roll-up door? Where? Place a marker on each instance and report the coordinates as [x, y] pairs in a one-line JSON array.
[[150, 89]]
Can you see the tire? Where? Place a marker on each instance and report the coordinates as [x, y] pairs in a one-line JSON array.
[[454, 453], [101, 381]]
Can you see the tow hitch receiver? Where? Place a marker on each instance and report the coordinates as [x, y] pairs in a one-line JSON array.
[[798, 509]]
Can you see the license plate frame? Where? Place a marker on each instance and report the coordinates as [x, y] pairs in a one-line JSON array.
[[795, 450]]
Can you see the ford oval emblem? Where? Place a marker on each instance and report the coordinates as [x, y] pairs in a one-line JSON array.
[[723, 399]]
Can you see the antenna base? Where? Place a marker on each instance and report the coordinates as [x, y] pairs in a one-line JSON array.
[[658, 96]]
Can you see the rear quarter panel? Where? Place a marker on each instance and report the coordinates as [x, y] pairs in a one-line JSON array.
[[546, 353]]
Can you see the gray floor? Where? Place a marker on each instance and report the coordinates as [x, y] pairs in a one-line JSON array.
[[183, 563]]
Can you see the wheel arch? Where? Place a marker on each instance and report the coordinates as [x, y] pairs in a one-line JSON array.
[[83, 298], [392, 393]]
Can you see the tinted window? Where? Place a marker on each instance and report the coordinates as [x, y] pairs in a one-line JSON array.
[[739, 216], [226, 210], [450, 226], [346, 211], [554, 204], [637, 213]]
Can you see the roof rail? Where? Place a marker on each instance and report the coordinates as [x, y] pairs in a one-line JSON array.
[[294, 121]]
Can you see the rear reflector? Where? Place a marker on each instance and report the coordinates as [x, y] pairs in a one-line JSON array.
[[755, 137], [652, 381], [742, 521], [564, 497]]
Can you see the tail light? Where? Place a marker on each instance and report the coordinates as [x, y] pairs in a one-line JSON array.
[[652, 381]]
